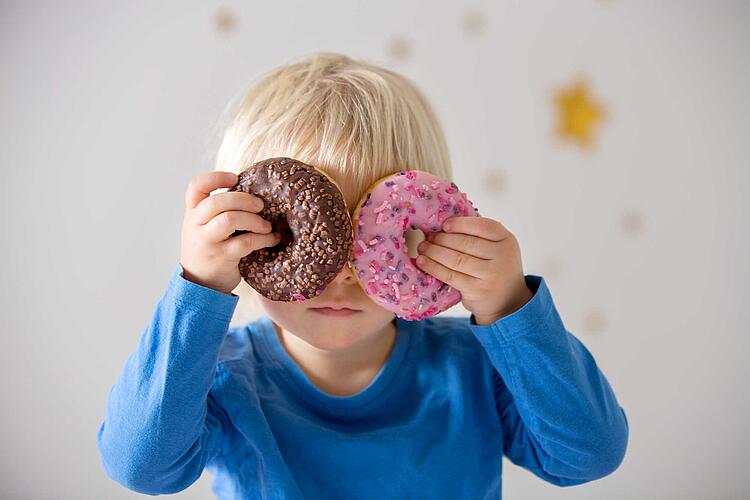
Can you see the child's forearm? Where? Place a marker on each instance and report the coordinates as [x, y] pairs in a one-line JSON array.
[[566, 425], [159, 430]]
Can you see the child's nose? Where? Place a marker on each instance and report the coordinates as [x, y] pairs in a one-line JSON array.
[[346, 275]]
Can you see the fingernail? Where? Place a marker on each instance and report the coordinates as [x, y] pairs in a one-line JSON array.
[[422, 246], [421, 260]]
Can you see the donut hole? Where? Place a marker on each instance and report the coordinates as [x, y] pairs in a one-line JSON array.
[[413, 238], [281, 226]]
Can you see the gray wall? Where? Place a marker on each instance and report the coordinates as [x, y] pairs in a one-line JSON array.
[[108, 108]]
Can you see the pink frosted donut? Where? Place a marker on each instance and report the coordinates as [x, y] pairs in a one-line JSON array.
[[410, 199]]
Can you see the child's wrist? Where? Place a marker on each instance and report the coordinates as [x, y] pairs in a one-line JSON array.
[[488, 319]]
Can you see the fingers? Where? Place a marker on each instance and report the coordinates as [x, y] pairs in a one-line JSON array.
[[212, 206], [482, 227], [239, 246], [202, 185], [452, 259], [224, 225], [472, 245], [456, 279]]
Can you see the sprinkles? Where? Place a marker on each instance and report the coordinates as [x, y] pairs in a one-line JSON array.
[[406, 199]]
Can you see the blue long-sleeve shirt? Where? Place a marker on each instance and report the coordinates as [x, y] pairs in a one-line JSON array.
[[451, 399]]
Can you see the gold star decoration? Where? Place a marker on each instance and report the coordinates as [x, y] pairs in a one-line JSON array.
[[578, 114]]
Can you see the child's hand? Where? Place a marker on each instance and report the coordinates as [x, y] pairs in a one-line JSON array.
[[481, 259], [209, 256]]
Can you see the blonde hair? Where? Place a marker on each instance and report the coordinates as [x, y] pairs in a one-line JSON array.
[[355, 121]]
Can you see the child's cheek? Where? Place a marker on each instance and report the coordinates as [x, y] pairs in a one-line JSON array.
[[282, 312]]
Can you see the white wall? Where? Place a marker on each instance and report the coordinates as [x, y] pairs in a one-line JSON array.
[[108, 108]]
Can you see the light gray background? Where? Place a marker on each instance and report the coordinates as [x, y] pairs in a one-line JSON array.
[[108, 108]]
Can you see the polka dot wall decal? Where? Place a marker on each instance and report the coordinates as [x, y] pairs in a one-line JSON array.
[[399, 48], [473, 22], [632, 223], [225, 21], [552, 268], [578, 114], [494, 182], [594, 322]]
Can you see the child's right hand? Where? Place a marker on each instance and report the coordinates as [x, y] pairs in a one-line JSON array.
[[209, 255]]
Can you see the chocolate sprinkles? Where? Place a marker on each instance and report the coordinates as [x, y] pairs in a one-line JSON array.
[[309, 211]]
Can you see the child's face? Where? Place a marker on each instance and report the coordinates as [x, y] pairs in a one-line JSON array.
[[314, 322]]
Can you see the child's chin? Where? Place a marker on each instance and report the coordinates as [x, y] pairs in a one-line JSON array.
[[333, 337]]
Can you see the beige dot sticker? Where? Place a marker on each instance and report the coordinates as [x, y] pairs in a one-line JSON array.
[[473, 22], [552, 268], [594, 322], [494, 182], [225, 21], [632, 223], [399, 48]]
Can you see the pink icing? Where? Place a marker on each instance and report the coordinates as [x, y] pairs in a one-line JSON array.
[[413, 199]]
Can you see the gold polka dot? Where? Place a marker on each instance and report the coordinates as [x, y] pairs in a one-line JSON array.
[[594, 322], [225, 21], [632, 223], [399, 48], [494, 182], [473, 22]]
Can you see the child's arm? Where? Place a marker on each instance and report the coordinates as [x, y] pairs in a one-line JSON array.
[[559, 414], [161, 426]]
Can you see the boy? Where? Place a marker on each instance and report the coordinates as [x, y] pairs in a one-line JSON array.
[[300, 404]]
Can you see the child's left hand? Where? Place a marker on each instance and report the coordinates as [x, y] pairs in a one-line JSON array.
[[481, 259]]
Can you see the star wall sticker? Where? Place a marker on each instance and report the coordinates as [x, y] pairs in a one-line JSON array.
[[579, 115]]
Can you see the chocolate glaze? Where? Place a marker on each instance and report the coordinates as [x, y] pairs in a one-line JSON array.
[[308, 209]]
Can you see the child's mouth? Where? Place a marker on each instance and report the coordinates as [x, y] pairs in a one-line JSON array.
[[336, 313]]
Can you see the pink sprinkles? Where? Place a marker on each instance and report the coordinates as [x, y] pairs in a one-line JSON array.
[[382, 207], [409, 198]]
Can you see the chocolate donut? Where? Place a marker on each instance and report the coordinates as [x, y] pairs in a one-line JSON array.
[[309, 211]]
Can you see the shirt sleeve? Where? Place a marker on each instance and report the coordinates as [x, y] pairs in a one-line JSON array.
[[161, 425], [559, 415]]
